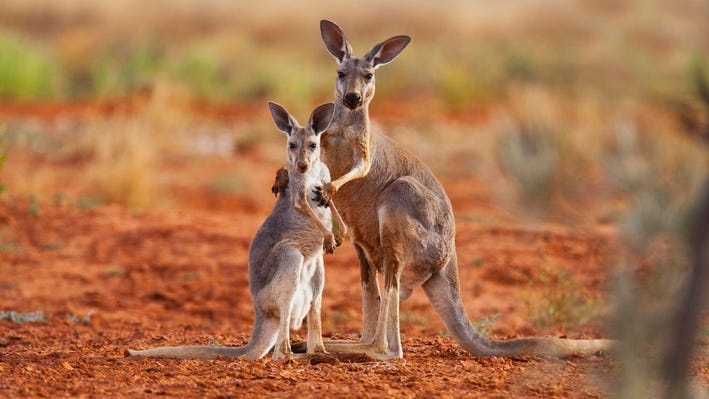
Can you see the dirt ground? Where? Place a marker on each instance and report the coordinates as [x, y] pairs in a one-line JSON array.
[[108, 278]]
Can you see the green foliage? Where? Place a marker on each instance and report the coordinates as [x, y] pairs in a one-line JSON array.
[[33, 207], [413, 318], [3, 157], [8, 241], [227, 184], [19, 318], [89, 202], [3, 153], [562, 300], [27, 70], [661, 174], [530, 155], [114, 272], [485, 324]]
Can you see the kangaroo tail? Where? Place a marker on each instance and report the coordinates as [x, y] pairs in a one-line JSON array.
[[191, 352], [443, 291], [262, 340]]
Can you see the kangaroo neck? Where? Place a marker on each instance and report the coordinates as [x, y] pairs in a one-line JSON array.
[[352, 120]]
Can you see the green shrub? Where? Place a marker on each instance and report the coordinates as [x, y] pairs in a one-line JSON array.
[[27, 70]]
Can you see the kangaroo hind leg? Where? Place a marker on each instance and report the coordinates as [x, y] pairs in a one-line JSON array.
[[283, 288]]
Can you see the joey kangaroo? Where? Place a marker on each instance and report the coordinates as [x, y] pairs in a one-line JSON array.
[[286, 272], [400, 219]]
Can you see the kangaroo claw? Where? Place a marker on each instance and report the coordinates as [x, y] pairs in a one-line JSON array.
[[319, 197]]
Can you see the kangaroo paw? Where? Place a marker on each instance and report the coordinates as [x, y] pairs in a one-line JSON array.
[[281, 182], [319, 197], [329, 244]]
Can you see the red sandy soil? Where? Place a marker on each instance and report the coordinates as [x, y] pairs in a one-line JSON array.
[[145, 279]]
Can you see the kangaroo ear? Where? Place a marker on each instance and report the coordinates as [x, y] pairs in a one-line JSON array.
[[284, 121], [335, 41], [386, 51], [321, 117]]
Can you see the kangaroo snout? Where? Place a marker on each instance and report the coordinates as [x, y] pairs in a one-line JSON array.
[[302, 167], [352, 100]]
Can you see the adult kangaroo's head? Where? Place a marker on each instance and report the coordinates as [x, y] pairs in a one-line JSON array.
[[355, 75]]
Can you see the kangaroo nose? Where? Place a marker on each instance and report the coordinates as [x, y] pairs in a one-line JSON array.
[[352, 100], [302, 166]]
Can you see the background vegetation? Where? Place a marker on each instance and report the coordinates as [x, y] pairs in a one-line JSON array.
[[582, 112]]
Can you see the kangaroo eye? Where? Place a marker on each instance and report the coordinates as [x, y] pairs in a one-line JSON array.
[[291, 146], [313, 146], [340, 75], [369, 76]]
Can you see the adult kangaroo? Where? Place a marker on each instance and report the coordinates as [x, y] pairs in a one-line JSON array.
[[400, 219]]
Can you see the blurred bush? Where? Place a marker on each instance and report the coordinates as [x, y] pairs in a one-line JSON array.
[[28, 70], [466, 53]]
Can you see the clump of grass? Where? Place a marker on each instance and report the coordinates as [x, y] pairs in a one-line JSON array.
[[3, 153], [88, 202], [124, 164], [485, 324], [413, 318], [659, 173], [562, 300], [528, 154], [3, 157], [27, 71], [8, 242], [86, 319], [19, 318], [547, 162], [33, 207]]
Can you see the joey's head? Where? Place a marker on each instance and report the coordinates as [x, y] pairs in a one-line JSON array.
[[303, 146], [355, 75]]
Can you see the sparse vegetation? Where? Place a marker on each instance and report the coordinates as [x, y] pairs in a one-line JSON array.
[[8, 242], [412, 318], [485, 324], [562, 300], [20, 318], [28, 69], [33, 207], [593, 112], [2, 161], [86, 319]]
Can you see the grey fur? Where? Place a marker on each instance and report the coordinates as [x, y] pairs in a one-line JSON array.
[[286, 271]]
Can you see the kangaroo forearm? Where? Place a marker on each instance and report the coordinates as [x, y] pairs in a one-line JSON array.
[[338, 219], [360, 170], [304, 206]]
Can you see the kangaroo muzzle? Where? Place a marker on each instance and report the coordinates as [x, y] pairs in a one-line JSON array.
[[302, 167], [352, 100]]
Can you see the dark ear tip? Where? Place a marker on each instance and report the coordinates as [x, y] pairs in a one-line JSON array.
[[404, 38], [275, 107], [329, 25]]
